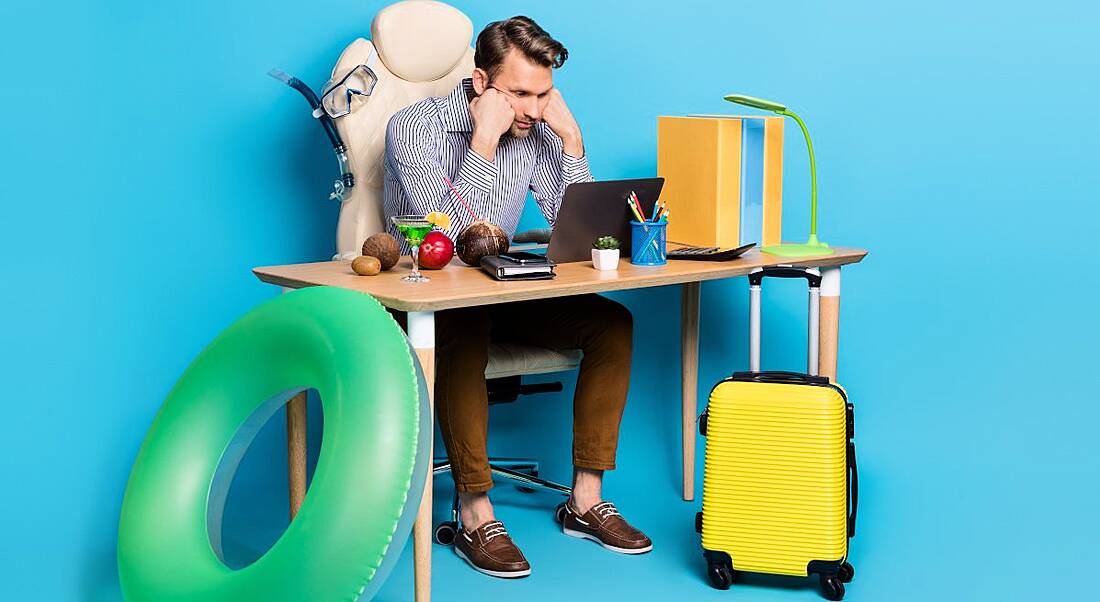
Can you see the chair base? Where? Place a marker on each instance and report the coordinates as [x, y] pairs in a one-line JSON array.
[[521, 472]]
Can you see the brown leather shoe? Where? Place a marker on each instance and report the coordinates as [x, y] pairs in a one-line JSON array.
[[604, 525], [490, 550]]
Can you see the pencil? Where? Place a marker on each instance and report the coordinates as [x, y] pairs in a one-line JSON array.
[[634, 208], [638, 204]]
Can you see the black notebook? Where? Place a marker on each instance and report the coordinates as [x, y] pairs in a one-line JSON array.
[[504, 269]]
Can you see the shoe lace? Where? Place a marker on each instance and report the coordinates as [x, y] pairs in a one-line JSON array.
[[606, 510], [495, 530]]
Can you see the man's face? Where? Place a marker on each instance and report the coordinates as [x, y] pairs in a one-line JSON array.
[[525, 84]]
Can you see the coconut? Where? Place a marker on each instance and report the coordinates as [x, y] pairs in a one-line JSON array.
[[479, 239], [384, 247]]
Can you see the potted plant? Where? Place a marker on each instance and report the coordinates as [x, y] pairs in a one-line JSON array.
[[605, 253]]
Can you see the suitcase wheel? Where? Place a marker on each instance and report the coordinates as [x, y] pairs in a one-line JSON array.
[[847, 572], [720, 575], [444, 533], [832, 588]]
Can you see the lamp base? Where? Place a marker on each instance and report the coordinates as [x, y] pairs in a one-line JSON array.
[[810, 248]]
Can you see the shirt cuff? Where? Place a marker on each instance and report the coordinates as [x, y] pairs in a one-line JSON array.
[[575, 170], [478, 171]]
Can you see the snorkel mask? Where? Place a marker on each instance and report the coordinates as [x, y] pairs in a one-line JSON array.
[[339, 96]]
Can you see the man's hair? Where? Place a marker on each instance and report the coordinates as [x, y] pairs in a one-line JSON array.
[[498, 38]]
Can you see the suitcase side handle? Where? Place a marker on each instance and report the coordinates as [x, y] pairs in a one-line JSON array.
[[853, 488], [853, 471], [780, 377]]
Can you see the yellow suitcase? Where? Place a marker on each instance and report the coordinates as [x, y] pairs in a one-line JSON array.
[[780, 482]]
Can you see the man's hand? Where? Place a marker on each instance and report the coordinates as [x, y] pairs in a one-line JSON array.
[[493, 116], [558, 116]]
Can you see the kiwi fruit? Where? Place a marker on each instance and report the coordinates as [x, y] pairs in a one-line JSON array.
[[366, 265]]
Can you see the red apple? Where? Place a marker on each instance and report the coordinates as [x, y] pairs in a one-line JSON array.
[[436, 251]]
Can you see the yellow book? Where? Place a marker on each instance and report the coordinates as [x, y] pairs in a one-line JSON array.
[[723, 178]]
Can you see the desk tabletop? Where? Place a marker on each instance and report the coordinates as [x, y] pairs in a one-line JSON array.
[[461, 286]]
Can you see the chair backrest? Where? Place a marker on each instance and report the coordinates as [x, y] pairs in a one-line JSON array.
[[418, 48]]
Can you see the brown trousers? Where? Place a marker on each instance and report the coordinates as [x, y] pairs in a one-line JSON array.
[[601, 328]]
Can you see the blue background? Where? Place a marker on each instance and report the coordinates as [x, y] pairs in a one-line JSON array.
[[148, 162]]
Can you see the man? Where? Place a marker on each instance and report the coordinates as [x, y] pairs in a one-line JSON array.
[[501, 133]]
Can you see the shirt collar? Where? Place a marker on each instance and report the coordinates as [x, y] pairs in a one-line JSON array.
[[454, 110]]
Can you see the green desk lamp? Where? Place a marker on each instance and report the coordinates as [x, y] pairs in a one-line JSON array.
[[812, 246]]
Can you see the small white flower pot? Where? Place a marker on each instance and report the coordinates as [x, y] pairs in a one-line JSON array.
[[605, 259]]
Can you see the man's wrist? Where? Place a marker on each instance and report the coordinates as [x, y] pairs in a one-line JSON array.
[[484, 145], [573, 145]]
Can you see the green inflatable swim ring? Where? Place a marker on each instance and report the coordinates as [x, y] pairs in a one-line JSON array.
[[366, 486]]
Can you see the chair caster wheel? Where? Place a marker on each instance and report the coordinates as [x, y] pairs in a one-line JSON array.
[[559, 513], [832, 588], [846, 572], [720, 575], [445, 533], [699, 523]]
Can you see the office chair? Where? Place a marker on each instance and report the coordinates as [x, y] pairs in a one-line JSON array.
[[421, 48]]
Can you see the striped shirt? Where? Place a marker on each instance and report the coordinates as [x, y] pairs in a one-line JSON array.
[[431, 139]]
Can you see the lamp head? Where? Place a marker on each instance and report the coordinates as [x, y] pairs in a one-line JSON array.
[[756, 103]]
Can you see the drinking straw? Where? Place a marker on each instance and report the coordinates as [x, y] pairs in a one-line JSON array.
[[460, 199]]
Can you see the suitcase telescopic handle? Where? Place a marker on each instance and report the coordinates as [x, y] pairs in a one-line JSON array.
[[812, 276], [756, 277]]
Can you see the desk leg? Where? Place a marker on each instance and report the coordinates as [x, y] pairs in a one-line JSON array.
[[829, 327], [296, 428], [689, 378], [421, 327], [296, 450]]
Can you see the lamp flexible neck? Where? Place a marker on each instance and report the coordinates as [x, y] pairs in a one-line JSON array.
[[813, 171]]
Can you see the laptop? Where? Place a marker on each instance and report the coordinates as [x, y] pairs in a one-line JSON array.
[[590, 210]]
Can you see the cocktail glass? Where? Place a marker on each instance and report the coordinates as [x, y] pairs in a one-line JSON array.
[[414, 228]]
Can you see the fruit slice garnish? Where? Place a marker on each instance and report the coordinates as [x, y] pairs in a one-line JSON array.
[[438, 218]]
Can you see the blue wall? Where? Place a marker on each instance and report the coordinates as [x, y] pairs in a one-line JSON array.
[[148, 163]]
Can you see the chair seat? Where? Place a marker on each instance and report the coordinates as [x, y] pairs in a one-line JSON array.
[[507, 359]]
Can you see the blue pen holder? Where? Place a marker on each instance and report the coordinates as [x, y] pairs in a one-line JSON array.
[[647, 243]]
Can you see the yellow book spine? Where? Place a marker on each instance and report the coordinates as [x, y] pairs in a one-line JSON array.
[[773, 181]]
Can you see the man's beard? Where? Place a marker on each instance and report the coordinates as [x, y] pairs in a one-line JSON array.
[[517, 132]]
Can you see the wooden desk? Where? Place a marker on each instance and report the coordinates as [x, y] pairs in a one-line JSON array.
[[461, 286]]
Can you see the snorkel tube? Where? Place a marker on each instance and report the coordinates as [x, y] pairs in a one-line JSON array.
[[347, 179]]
